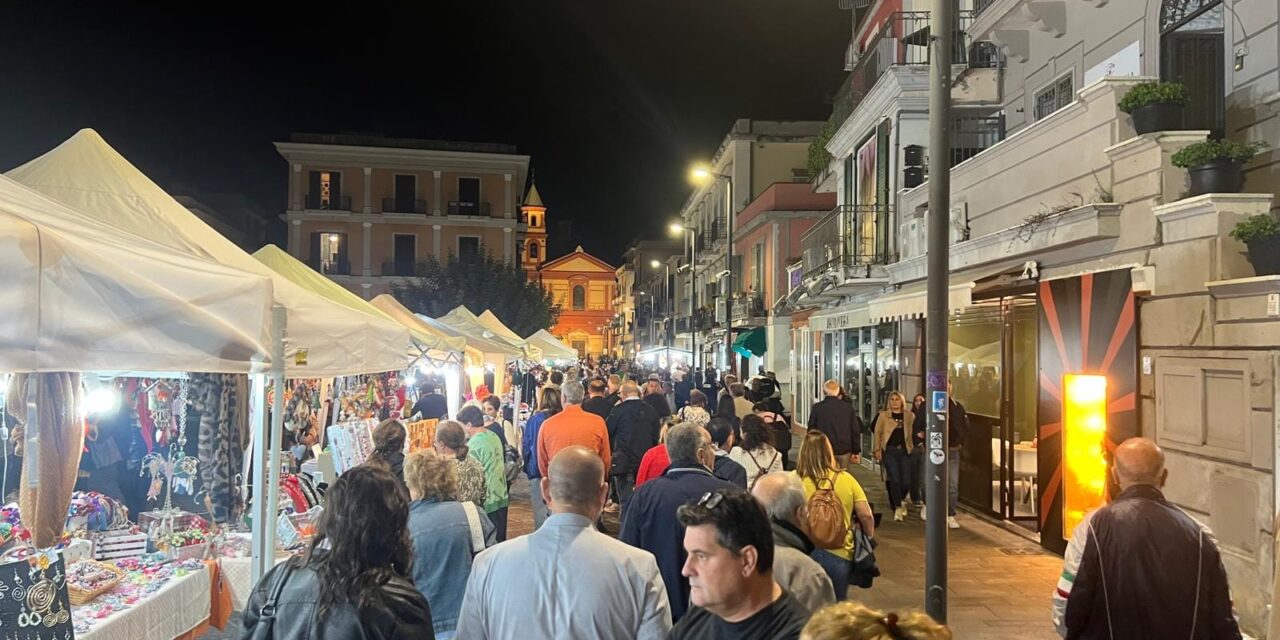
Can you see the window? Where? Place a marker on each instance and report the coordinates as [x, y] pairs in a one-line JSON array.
[[579, 297], [757, 268], [406, 191], [1056, 96], [325, 191], [469, 190], [533, 251], [329, 253], [468, 246]]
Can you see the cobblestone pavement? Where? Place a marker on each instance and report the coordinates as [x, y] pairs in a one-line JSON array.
[[999, 583]]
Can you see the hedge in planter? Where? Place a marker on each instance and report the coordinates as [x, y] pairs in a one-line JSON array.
[[1216, 166], [1155, 106], [1261, 234]]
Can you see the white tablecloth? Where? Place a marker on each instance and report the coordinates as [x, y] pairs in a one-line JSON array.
[[237, 573], [181, 605]]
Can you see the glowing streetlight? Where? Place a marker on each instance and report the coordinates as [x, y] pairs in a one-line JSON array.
[[700, 173], [655, 264], [675, 228]]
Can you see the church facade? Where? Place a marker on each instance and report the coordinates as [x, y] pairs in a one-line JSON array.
[[583, 286]]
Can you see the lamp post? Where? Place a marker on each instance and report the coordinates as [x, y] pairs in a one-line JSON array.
[[702, 174], [688, 232]]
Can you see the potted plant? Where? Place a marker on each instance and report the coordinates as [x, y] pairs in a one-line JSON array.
[[1261, 234], [1216, 166], [1155, 106]]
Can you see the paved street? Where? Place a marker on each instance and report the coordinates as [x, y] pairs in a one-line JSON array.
[[1000, 583]]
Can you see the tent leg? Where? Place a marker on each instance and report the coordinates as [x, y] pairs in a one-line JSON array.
[[264, 521], [256, 470]]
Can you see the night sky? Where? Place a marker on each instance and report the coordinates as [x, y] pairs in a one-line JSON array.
[[612, 100]]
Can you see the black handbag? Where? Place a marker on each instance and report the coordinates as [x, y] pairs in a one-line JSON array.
[[263, 629]]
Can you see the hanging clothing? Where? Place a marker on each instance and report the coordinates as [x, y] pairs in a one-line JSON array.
[[49, 478], [214, 397]]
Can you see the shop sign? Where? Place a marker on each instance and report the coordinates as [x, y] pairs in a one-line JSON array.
[[300, 358], [797, 278]]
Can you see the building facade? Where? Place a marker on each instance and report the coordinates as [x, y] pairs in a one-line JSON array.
[[583, 287], [533, 247], [1082, 276], [365, 210], [232, 216], [754, 155]]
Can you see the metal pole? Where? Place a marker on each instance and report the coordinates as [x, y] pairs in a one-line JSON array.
[[266, 490], [728, 305], [936, 480], [693, 296]]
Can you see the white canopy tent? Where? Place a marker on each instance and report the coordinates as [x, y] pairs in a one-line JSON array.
[[488, 319], [87, 174], [79, 295], [462, 319], [494, 352], [552, 347], [312, 337]]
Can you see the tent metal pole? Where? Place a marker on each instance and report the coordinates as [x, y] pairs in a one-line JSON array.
[[268, 497]]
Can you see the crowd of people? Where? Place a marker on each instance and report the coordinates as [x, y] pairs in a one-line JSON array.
[[722, 535]]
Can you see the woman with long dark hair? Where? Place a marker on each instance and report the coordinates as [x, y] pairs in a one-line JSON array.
[[726, 410], [548, 405], [351, 582], [388, 448]]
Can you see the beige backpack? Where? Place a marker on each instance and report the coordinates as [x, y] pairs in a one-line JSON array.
[[824, 520]]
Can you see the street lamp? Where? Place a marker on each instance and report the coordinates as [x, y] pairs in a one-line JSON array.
[[702, 174], [688, 233]]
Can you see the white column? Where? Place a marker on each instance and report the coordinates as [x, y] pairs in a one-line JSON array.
[[368, 245], [436, 192], [295, 188], [368, 182], [435, 242], [295, 239], [510, 203], [507, 244], [366, 290]]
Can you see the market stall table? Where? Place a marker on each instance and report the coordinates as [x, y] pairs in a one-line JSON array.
[[237, 575], [175, 610]]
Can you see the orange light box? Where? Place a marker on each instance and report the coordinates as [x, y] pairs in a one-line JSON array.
[[1084, 435]]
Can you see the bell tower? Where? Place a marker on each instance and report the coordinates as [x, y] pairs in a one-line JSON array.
[[534, 251]]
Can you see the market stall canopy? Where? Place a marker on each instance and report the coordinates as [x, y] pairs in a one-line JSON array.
[[430, 345], [462, 319], [751, 343], [495, 325], [387, 304], [79, 295], [475, 339], [324, 339], [552, 347]]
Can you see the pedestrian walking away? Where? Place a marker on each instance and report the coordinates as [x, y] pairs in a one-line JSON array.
[[1140, 568], [566, 580], [837, 420], [548, 405], [818, 470]]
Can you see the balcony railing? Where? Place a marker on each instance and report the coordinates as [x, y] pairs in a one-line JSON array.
[[399, 268], [971, 135], [904, 41], [981, 5], [396, 205], [315, 203], [339, 267], [849, 236], [463, 208], [747, 306]]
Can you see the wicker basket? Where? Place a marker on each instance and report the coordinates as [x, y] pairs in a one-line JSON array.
[[80, 596]]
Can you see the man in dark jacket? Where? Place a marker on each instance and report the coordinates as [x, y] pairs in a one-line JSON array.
[[1140, 567], [650, 522], [597, 401], [837, 419], [726, 469], [430, 405], [633, 430]]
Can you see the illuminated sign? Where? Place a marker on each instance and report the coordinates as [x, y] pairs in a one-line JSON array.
[[1084, 437]]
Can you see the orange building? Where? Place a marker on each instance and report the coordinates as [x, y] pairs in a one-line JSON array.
[[534, 215], [583, 286]]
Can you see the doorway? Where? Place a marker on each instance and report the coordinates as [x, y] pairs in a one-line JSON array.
[[406, 187], [993, 362], [1192, 51], [406, 254]]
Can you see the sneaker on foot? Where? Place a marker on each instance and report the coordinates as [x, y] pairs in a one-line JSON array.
[[952, 524], [900, 514], [923, 512]]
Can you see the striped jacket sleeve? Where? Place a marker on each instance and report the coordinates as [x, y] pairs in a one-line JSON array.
[[1070, 567]]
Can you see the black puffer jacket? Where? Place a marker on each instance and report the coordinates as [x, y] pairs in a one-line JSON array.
[[400, 612], [633, 430], [1147, 571]]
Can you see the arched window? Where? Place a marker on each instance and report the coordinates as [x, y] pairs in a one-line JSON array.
[[579, 297], [533, 250]]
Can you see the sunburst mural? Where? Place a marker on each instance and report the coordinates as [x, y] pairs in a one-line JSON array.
[[1087, 326]]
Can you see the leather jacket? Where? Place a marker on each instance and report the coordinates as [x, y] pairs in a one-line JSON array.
[[400, 611]]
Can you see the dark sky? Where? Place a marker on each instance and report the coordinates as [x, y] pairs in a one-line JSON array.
[[613, 100]]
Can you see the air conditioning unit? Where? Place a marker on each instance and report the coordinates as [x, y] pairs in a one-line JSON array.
[[911, 238]]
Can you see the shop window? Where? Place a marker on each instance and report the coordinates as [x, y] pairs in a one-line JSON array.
[[1055, 96]]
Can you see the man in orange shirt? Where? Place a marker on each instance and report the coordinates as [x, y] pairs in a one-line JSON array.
[[570, 427]]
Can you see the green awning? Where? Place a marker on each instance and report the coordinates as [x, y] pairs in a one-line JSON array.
[[751, 343]]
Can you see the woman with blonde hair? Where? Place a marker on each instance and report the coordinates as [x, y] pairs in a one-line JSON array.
[[816, 465], [892, 448], [850, 621]]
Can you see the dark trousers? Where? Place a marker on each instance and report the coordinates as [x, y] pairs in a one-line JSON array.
[[898, 469], [625, 487], [499, 519], [916, 460]]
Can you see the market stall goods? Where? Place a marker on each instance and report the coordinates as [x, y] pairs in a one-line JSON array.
[[46, 488]]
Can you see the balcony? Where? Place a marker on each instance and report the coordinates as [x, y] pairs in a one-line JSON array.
[[904, 41], [463, 208], [398, 205], [848, 241], [399, 268], [973, 134], [748, 308], [339, 267], [315, 203]]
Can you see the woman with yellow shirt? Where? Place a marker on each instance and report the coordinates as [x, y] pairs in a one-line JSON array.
[[817, 465]]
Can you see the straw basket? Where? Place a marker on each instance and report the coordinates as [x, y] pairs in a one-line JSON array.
[[80, 596]]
